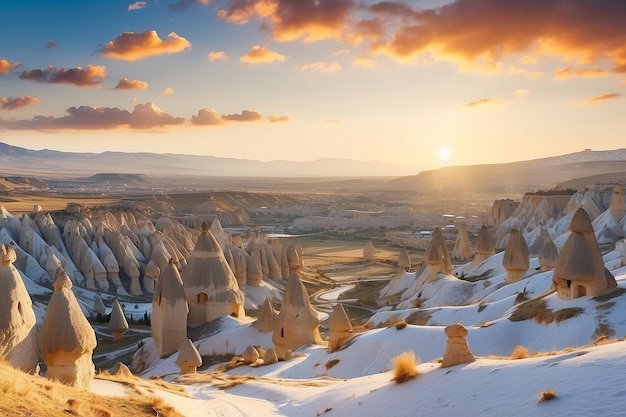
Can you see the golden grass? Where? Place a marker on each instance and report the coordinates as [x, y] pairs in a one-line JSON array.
[[404, 367], [546, 396], [25, 395], [520, 352], [224, 381]]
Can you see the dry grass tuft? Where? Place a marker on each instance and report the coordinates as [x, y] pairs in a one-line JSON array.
[[326, 410], [331, 363], [604, 339], [520, 352], [334, 346], [404, 367], [162, 409], [546, 396], [400, 325]]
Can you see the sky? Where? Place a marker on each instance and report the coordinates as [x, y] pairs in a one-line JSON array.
[[420, 83]]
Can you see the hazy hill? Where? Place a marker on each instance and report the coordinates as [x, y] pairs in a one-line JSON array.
[[519, 177], [15, 160]]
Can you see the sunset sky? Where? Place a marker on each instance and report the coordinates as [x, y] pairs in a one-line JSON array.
[[419, 83]]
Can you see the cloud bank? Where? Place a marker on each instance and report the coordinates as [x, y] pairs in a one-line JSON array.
[[91, 76]]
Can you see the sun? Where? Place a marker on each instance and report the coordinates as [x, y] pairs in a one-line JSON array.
[[444, 153]]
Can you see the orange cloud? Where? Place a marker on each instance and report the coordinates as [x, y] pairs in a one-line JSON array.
[[373, 30], [131, 46], [275, 118], [138, 5], [143, 116], [209, 117], [168, 91], [91, 76], [126, 84], [8, 103], [569, 72], [322, 67], [217, 55], [603, 97], [6, 66], [245, 116], [486, 31], [486, 101], [287, 20], [261, 55]]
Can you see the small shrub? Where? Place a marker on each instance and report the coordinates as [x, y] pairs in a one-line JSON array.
[[400, 325], [520, 352], [546, 396], [404, 367]]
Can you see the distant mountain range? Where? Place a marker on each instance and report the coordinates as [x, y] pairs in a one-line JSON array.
[[15, 160], [575, 170]]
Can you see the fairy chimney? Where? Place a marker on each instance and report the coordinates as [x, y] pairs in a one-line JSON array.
[[267, 317], [210, 285], [457, 349], [484, 246], [369, 252], [18, 326], [339, 327], [404, 260], [516, 258], [437, 240], [67, 340], [188, 358], [297, 323], [290, 260], [617, 208], [169, 312], [98, 305], [462, 248], [549, 253], [579, 270], [117, 322]]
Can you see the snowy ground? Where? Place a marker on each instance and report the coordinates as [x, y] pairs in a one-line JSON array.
[[357, 379]]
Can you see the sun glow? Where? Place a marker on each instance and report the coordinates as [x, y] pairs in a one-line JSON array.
[[444, 153]]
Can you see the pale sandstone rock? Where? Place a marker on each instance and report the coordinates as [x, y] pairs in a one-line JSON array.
[[457, 349], [67, 340], [18, 327], [188, 359], [169, 312]]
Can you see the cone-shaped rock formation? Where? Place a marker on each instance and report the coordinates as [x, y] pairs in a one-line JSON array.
[[210, 285], [580, 270], [67, 340], [18, 325]]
